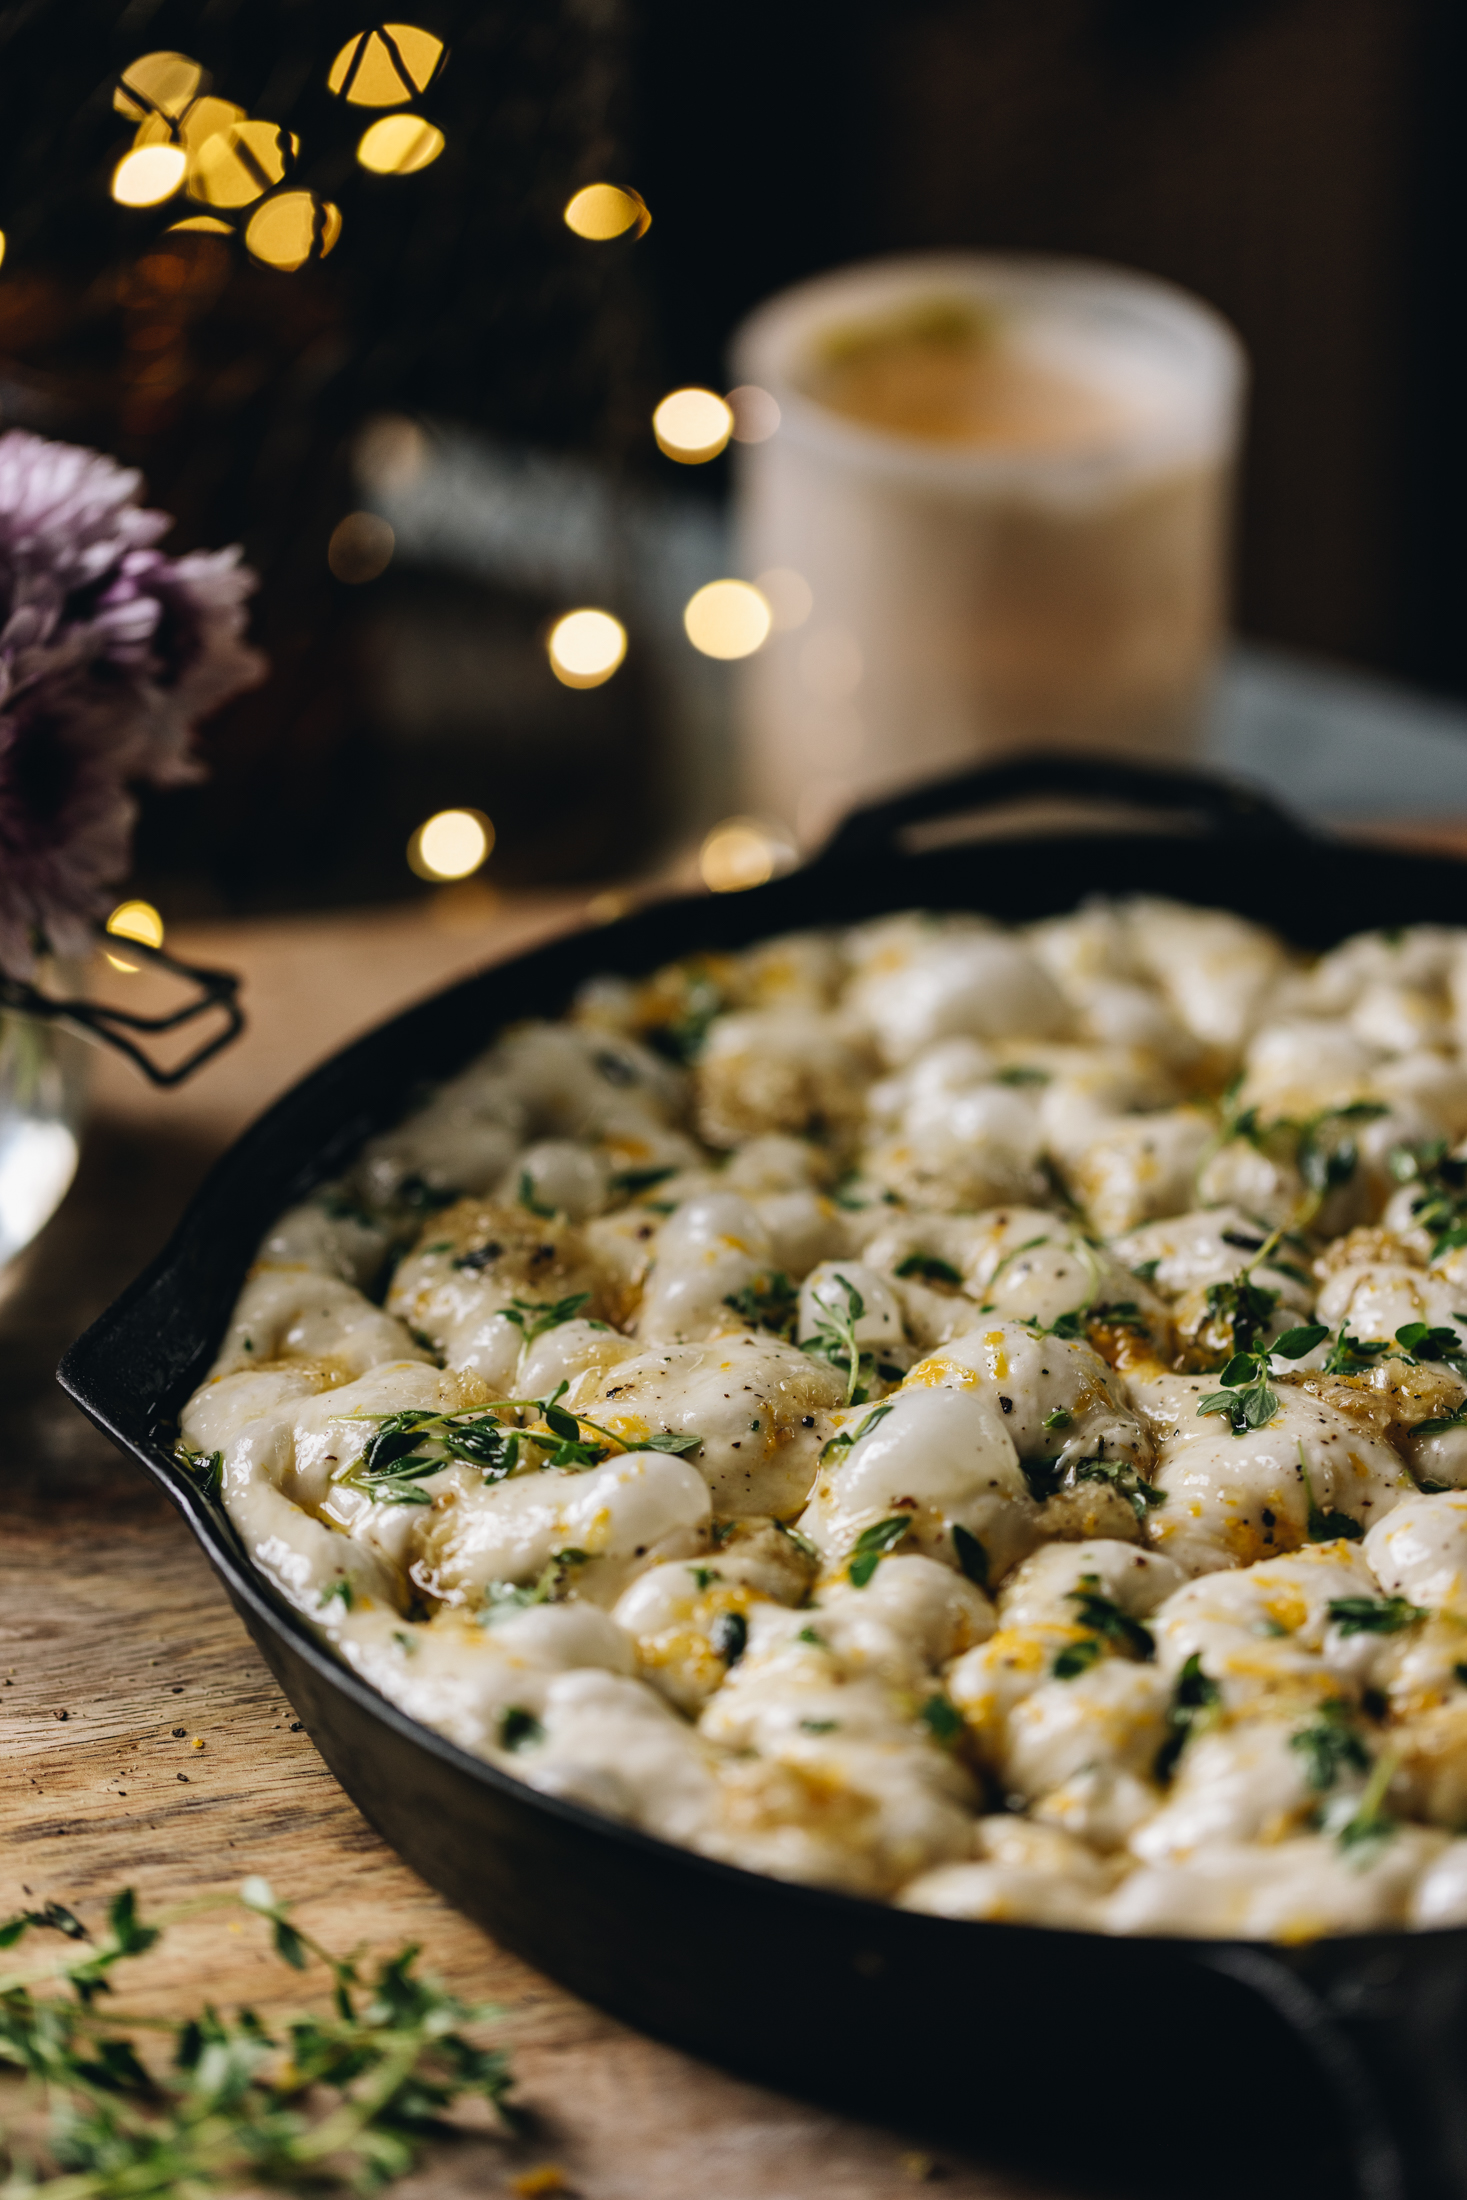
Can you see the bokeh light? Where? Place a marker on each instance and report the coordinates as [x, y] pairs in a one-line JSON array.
[[788, 595], [605, 210], [2, 247], [452, 844], [210, 223], [148, 175], [727, 619], [236, 165], [742, 852], [360, 548], [755, 413], [289, 228], [692, 426], [385, 66], [399, 145], [157, 84], [586, 647], [134, 920]]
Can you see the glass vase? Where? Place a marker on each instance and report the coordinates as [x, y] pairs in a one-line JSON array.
[[42, 1096]]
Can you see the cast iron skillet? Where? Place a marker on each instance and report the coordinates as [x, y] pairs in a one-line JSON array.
[[1183, 2066]]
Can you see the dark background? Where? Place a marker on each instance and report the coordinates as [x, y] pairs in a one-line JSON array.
[[1299, 163]]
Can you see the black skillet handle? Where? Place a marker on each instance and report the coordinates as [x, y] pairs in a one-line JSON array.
[[1220, 805]]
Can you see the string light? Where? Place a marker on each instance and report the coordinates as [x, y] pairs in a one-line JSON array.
[[148, 175], [157, 84], [399, 145], [727, 619], [134, 920], [289, 228], [237, 165], [385, 66], [360, 548], [692, 426], [603, 210], [451, 844], [740, 853], [585, 648]]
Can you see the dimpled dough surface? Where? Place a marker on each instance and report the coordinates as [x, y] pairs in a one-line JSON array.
[[974, 1416]]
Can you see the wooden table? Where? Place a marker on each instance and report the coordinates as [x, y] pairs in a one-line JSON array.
[[118, 1652]]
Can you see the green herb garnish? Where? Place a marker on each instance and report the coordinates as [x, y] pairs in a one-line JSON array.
[[536, 1316], [528, 1199], [769, 1302], [1330, 1745], [519, 1729], [930, 1269], [971, 1557], [1374, 1615], [943, 1719], [329, 2102], [873, 1544], [1196, 1701]]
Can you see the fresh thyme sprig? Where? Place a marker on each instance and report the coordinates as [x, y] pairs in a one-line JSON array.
[[343, 2100], [1246, 1397], [536, 1316], [835, 1340]]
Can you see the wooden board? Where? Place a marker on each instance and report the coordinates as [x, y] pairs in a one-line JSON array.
[[118, 1650]]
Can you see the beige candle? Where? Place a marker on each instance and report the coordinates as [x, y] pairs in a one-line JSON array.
[[993, 515]]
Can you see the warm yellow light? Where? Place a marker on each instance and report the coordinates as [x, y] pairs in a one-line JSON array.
[[148, 175], [756, 413], [236, 165], [399, 145], [586, 647], [727, 619], [692, 426], [157, 84], [788, 595], [2, 247], [207, 222], [385, 66], [451, 845], [360, 548], [288, 228], [137, 920], [605, 210], [739, 853], [134, 920]]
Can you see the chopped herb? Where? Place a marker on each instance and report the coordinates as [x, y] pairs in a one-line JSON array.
[[770, 1302], [1374, 1615], [1242, 1241], [1103, 1617], [1372, 1824], [1440, 1206], [873, 1544], [819, 1726], [1145, 1270], [206, 1467], [1444, 1421], [729, 1636], [1076, 1658], [1246, 1307], [943, 1719], [1330, 1745], [444, 1245], [535, 1316], [808, 1634], [334, 2101], [848, 1436], [633, 1181], [528, 1199], [405, 1643], [1021, 1073], [930, 1269], [1125, 1480], [519, 1729], [681, 1037], [341, 1588], [1325, 1527], [971, 1557], [1195, 1704], [1060, 1418], [1043, 1476], [835, 1338], [702, 1575], [414, 1191], [1120, 1314]]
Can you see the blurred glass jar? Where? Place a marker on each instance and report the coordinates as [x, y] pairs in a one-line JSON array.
[[42, 1099], [993, 515]]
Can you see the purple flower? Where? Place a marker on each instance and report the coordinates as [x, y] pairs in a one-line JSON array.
[[110, 654]]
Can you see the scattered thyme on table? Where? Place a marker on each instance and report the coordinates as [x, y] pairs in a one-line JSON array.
[[148, 2108]]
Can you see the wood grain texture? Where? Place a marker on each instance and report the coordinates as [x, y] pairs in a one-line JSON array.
[[118, 1650]]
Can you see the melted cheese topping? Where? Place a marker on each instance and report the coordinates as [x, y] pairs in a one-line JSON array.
[[822, 1404]]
